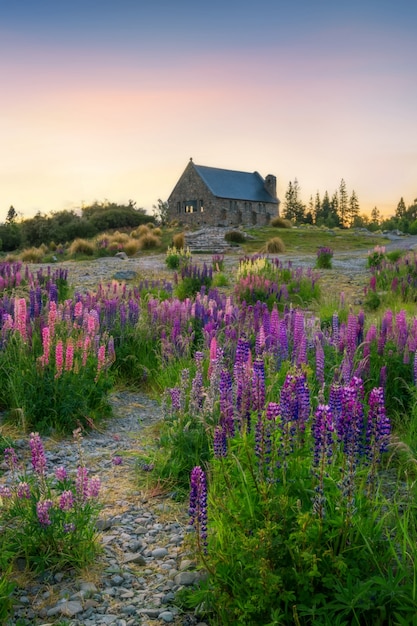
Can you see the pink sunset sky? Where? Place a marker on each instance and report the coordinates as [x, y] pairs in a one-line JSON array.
[[105, 100]]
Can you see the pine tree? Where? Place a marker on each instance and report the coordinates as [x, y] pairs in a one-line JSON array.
[[294, 209], [343, 204], [353, 209], [375, 216], [401, 209]]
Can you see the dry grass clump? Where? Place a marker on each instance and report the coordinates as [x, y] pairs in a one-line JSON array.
[[81, 246], [150, 225], [280, 222], [33, 255], [178, 241], [143, 229], [148, 241], [235, 236], [131, 247], [275, 246], [157, 231], [118, 237]]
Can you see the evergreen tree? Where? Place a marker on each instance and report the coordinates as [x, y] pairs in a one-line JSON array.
[[375, 216], [343, 211], [401, 209], [317, 208], [353, 209], [294, 209]]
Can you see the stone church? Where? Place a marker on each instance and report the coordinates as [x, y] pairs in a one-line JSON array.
[[210, 196]]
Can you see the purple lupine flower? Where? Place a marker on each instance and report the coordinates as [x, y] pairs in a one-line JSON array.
[[69, 528], [81, 483], [23, 491], [175, 393], [94, 485], [220, 442], [11, 459], [335, 328], [66, 500], [38, 454], [258, 385], [322, 431], [198, 505], [378, 427], [42, 511], [5, 492], [197, 387], [383, 376], [319, 361], [117, 460], [61, 473], [226, 403]]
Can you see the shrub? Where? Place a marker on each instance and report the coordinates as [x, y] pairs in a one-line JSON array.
[[81, 246], [376, 257], [178, 241], [157, 231], [324, 258], [50, 522], [148, 241], [131, 247], [142, 230], [275, 246], [235, 236], [280, 222], [32, 255]]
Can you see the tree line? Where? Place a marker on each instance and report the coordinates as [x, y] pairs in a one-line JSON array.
[[61, 227], [343, 210]]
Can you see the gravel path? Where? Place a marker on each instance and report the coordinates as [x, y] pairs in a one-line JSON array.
[[145, 559]]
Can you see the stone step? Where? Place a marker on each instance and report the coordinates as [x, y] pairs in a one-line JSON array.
[[207, 240]]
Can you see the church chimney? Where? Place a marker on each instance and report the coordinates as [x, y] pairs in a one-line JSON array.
[[270, 185]]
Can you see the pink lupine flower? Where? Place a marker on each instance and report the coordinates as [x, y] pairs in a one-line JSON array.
[[38, 454], [86, 347], [46, 343], [23, 491], [52, 315], [59, 358], [66, 500], [92, 323], [42, 511], [20, 317], [101, 359], [11, 458], [61, 473], [94, 487], [213, 355], [81, 483], [5, 492], [69, 355]]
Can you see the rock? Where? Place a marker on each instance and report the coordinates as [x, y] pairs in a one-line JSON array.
[[185, 578]]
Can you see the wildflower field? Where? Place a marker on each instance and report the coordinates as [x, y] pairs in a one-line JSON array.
[[291, 436]]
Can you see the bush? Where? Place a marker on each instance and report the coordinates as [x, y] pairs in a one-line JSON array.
[[148, 241], [32, 255], [81, 246], [280, 222], [131, 247], [275, 246], [178, 241], [235, 236], [324, 258]]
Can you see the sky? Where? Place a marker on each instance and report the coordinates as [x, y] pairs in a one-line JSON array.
[[104, 100]]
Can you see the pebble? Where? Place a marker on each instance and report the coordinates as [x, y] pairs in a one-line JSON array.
[[144, 561]]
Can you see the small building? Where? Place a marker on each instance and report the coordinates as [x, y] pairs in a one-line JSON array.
[[210, 196]]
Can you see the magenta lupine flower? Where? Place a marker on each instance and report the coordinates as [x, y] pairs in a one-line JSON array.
[[66, 500], [81, 483], [94, 485], [402, 330], [38, 454], [86, 348], [260, 341], [61, 474], [23, 491], [52, 317], [42, 511], [59, 358], [198, 505]]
